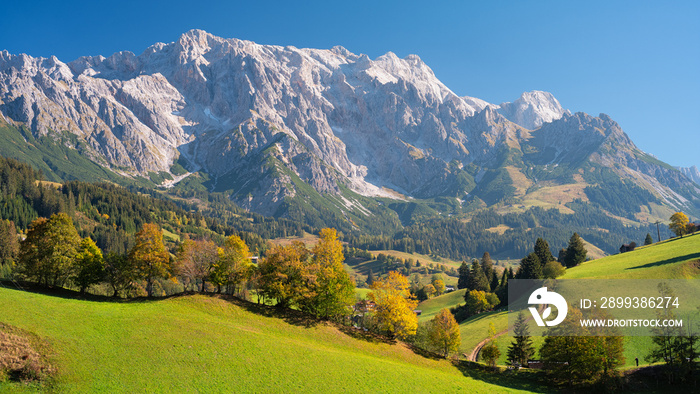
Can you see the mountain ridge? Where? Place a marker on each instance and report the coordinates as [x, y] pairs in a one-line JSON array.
[[263, 121]]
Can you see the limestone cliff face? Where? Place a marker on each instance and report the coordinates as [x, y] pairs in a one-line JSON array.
[[257, 115]]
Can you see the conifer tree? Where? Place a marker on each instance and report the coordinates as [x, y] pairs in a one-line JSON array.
[[543, 252], [477, 278], [521, 349], [648, 240], [463, 281], [530, 267], [576, 252]]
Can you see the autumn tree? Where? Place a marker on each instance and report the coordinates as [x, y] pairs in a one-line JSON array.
[[477, 301], [47, 254], [444, 334], [283, 275], [195, 260], [89, 266], [394, 305], [438, 283], [552, 270], [490, 352], [333, 290], [150, 259], [233, 266], [679, 224], [520, 351], [578, 355]]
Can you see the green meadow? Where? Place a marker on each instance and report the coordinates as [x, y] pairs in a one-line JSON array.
[[671, 259], [209, 344]]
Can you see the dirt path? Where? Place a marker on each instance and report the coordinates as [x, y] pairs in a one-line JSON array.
[[475, 352]]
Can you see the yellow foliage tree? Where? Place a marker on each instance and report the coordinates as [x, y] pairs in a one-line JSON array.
[[679, 224], [233, 266], [395, 305], [284, 276], [444, 332], [149, 256], [333, 290]]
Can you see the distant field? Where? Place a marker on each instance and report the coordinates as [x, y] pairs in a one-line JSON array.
[[421, 257], [208, 344], [431, 307], [310, 240]]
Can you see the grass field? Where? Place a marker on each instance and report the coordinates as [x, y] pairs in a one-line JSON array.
[[677, 258], [431, 307], [208, 344]]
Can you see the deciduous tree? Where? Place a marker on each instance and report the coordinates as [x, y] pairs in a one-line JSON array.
[[89, 265], [395, 306], [284, 276], [120, 272], [679, 224], [149, 257], [333, 290], [47, 254], [443, 333], [195, 260], [490, 352]]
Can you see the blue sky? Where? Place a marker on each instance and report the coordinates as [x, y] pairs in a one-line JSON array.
[[636, 61]]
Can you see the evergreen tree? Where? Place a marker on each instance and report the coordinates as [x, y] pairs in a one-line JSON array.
[[370, 278], [477, 278], [463, 281], [521, 349], [530, 267], [543, 252], [575, 252], [494, 281], [487, 265], [648, 240]]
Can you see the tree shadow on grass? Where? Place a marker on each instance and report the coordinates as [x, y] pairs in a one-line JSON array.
[[678, 259], [367, 336], [58, 292], [291, 316], [527, 380]]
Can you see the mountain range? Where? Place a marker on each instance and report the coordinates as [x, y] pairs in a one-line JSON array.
[[301, 132]]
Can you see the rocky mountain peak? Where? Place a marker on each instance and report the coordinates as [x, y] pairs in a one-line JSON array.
[[532, 109]]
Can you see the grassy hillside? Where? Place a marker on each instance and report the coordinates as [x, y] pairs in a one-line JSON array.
[[208, 344], [675, 258], [432, 306]]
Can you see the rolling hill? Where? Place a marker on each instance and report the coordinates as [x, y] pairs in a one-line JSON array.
[[211, 344]]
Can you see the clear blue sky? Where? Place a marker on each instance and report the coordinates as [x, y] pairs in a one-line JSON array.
[[637, 61]]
